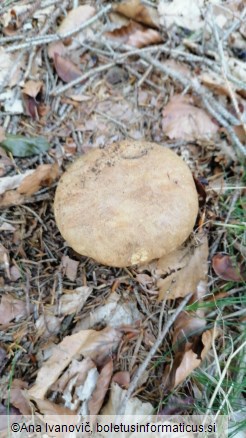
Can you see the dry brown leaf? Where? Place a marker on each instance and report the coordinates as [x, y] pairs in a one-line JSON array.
[[184, 270], [136, 35], [101, 389], [31, 91], [122, 378], [89, 343], [17, 398], [66, 69], [11, 198], [190, 360], [182, 120], [32, 88], [223, 267], [11, 308], [48, 408], [12, 182], [72, 301], [69, 267], [134, 405], [187, 326], [43, 176], [138, 11], [214, 82]]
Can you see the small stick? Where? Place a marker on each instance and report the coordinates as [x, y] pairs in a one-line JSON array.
[[151, 353]]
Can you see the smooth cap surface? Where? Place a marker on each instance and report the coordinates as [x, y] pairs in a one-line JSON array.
[[127, 204]]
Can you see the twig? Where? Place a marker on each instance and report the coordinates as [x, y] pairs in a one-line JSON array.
[[152, 351]]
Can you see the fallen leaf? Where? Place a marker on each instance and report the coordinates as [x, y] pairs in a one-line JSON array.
[[43, 176], [69, 267], [182, 271], [138, 11], [11, 198], [17, 399], [32, 88], [182, 120], [190, 360], [89, 343], [214, 82], [31, 93], [114, 313], [21, 146], [12, 182], [72, 301], [223, 267], [101, 389], [66, 69], [122, 378], [11, 308], [136, 35], [49, 408], [134, 405]]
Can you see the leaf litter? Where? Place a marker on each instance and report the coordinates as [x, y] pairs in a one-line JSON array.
[[94, 325]]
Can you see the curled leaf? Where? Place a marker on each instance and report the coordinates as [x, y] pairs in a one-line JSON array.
[[21, 146], [223, 267], [66, 69]]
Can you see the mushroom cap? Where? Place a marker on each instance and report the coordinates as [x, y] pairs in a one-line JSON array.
[[127, 204]]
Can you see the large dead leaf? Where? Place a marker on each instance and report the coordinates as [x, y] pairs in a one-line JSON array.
[[183, 271], [88, 343], [138, 11], [183, 120], [136, 35], [100, 391], [43, 176]]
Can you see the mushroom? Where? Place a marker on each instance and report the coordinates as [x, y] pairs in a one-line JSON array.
[[130, 203]]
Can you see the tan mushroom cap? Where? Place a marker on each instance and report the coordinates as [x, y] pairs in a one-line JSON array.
[[129, 203]]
